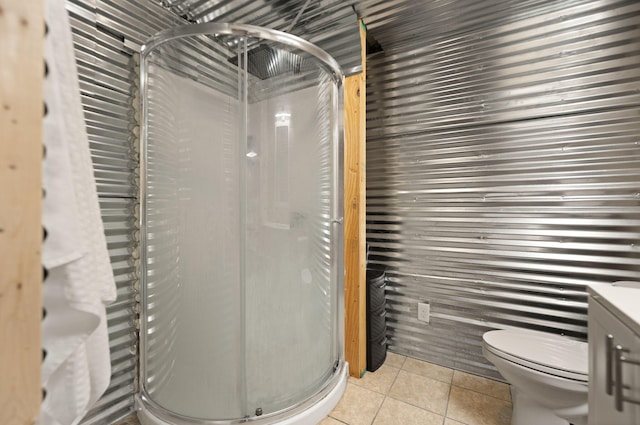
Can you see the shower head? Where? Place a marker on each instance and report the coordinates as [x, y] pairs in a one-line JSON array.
[[264, 61]]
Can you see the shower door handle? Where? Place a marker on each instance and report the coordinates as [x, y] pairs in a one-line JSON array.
[[338, 220]]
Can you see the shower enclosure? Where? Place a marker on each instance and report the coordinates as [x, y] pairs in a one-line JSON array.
[[241, 228]]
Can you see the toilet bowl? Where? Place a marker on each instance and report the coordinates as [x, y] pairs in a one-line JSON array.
[[548, 375]]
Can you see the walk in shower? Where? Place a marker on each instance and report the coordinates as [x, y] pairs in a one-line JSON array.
[[241, 228]]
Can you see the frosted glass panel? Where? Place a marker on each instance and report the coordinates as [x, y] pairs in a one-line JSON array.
[[290, 303], [195, 344]]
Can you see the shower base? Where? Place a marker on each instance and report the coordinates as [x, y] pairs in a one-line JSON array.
[[310, 412]]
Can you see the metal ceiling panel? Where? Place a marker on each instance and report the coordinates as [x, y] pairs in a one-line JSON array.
[[330, 24]]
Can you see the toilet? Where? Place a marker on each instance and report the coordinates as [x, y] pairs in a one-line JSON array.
[[548, 375]]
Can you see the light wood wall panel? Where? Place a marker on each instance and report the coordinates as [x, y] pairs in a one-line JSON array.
[[21, 108]]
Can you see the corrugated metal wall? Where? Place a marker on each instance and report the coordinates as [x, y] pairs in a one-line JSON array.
[[502, 157], [107, 81], [503, 165]]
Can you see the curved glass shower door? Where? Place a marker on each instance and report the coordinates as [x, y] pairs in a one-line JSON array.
[[241, 223]]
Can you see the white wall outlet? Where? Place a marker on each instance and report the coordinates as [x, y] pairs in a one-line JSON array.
[[424, 312]]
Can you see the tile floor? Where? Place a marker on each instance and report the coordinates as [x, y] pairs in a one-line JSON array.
[[406, 391]]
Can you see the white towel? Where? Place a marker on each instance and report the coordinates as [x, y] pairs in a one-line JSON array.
[[77, 368]]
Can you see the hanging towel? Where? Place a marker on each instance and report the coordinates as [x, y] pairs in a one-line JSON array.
[[77, 368]]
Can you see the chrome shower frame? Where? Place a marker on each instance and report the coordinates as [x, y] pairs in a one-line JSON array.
[[331, 66]]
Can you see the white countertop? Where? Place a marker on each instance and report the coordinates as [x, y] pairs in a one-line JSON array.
[[624, 303]]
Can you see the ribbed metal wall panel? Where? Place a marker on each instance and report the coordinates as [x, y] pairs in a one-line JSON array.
[[502, 164], [330, 24], [107, 83]]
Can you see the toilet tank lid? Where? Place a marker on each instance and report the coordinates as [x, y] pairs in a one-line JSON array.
[[553, 351]]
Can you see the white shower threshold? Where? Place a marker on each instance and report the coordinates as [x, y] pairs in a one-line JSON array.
[[309, 413]]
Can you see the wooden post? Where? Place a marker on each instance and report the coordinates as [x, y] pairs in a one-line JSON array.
[[21, 111], [354, 217]]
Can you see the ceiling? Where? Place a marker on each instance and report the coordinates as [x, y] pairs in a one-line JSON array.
[[331, 24]]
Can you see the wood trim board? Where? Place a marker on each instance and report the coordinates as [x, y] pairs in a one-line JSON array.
[[355, 217], [21, 112]]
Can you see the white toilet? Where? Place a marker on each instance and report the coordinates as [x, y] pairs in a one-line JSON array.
[[548, 375]]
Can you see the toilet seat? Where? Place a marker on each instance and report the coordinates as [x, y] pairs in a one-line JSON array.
[[547, 353]]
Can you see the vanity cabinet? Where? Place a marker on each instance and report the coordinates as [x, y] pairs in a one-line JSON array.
[[614, 357]]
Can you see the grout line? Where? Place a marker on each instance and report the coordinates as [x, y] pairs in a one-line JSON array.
[[485, 394], [386, 394], [336, 419], [377, 411], [403, 362], [428, 377], [446, 409], [392, 383], [384, 397], [415, 405]]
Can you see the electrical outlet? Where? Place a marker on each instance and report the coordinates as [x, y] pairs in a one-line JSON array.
[[424, 311]]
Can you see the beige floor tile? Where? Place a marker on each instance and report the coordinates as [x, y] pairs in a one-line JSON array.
[[395, 412], [429, 370], [379, 381], [473, 408], [330, 421], [482, 385], [421, 391], [394, 360], [358, 406], [448, 421]]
